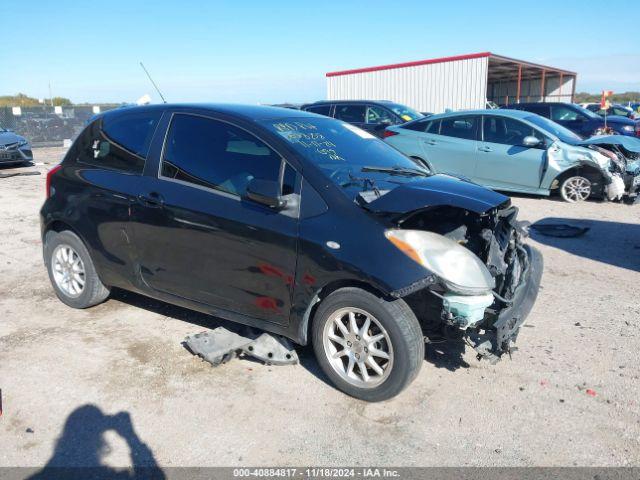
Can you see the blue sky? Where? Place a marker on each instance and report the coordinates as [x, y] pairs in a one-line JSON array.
[[277, 51]]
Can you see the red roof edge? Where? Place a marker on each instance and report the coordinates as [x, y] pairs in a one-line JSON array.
[[410, 64]]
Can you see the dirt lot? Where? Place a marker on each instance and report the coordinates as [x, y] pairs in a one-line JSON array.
[[568, 397]]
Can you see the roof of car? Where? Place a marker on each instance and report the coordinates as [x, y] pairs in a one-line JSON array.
[[490, 111], [351, 102], [248, 112], [531, 104]]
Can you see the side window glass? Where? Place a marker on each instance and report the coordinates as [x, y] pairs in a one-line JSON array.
[[320, 109], [288, 180], [433, 127], [563, 114], [507, 131], [351, 113], [425, 126], [541, 110], [377, 115], [118, 142], [421, 126], [216, 155], [459, 127]]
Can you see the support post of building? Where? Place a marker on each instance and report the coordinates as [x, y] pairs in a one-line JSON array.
[[560, 88], [519, 83], [542, 95]]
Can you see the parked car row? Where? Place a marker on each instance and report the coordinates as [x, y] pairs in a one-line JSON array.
[[580, 120], [615, 109], [536, 148]]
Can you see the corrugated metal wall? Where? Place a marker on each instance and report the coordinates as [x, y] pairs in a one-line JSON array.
[[530, 90], [434, 87]]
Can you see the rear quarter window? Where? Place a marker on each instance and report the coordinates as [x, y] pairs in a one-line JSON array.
[[320, 109], [118, 142]]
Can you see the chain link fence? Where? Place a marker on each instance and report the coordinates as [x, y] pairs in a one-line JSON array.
[[46, 126]]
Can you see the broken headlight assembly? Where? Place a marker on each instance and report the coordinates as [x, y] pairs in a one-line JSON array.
[[458, 269]]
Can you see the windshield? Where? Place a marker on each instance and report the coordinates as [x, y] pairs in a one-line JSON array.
[[586, 112], [564, 134], [350, 157], [404, 112]]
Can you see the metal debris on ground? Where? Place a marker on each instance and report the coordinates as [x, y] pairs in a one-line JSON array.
[[18, 174], [220, 345], [561, 230]]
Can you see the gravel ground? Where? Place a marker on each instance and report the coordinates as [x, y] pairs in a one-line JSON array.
[[80, 387]]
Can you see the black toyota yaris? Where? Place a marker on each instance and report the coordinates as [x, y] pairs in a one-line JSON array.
[[291, 222]]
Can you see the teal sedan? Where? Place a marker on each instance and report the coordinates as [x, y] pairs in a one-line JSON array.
[[511, 150]]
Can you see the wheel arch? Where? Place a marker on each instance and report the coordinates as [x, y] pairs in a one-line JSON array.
[[307, 319], [58, 226], [590, 172]]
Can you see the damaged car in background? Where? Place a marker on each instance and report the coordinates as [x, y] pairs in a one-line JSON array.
[[297, 224], [519, 151], [14, 148]]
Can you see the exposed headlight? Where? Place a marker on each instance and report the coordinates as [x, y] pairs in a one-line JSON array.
[[23, 143], [461, 270], [628, 128]]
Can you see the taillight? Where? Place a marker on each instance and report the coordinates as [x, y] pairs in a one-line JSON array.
[[49, 175], [389, 133]]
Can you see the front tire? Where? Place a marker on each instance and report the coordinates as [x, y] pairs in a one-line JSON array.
[[370, 348], [71, 271], [575, 189]]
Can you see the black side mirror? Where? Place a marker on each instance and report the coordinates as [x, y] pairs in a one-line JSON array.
[[266, 192]]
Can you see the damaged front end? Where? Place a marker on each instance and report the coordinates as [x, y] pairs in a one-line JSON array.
[[625, 170], [485, 300], [624, 164]]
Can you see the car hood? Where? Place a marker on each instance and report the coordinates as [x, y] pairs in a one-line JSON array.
[[9, 137], [629, 143], [434, 191]]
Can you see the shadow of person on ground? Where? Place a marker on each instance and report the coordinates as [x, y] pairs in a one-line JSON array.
[[613, 243], [79, 451]]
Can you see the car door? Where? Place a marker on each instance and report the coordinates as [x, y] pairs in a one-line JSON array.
[[450, 144], [197, 235], [571, 118], [378, 118], [503, 161], [355, 114]]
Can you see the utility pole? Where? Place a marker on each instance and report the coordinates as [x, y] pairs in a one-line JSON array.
[[50, 96]]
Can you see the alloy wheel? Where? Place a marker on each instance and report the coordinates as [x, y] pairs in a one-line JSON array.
[[358, 347], [576, 189], [68, 270]]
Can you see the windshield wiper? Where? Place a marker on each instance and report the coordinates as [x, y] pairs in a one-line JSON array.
[[398, 171]]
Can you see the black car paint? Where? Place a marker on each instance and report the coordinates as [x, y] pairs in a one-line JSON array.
[[165, 240], [376, 129]]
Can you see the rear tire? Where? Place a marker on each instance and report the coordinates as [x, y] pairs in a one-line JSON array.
[[71, 271], [371, 361]]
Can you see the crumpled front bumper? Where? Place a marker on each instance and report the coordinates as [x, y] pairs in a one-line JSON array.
[[492, 342]]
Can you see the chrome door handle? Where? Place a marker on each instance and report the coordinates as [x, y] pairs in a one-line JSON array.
[[485, 149], [430, 142]]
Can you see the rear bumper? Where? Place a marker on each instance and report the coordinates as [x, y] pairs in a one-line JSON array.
[[496, 340]]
